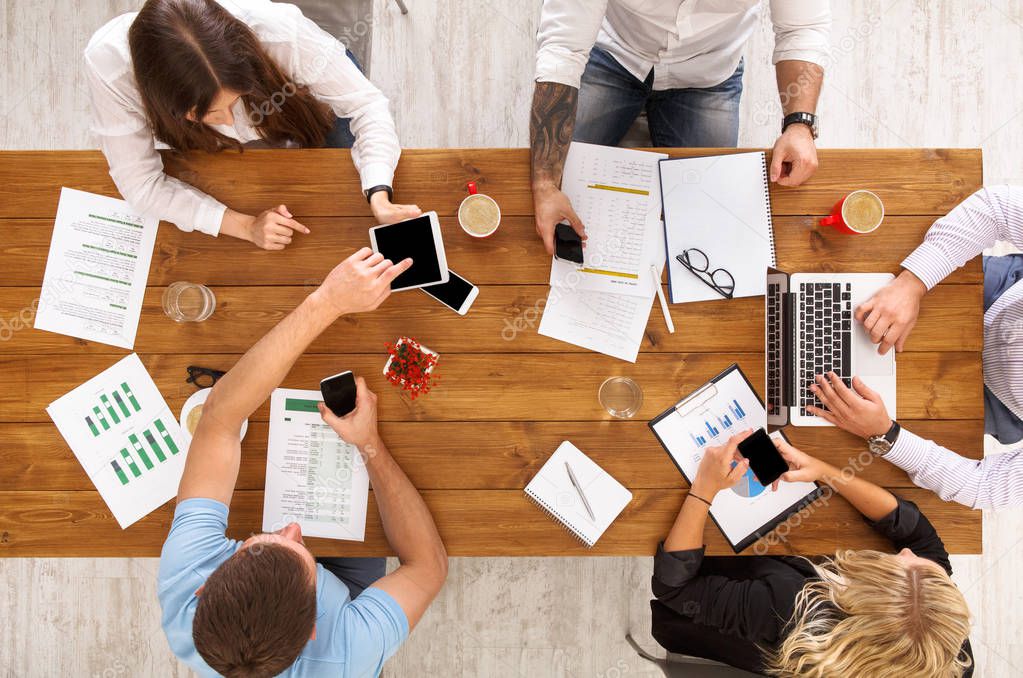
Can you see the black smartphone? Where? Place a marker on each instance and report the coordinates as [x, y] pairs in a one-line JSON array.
[[764, 458], [567, 244], [457, 293], [339, 393]]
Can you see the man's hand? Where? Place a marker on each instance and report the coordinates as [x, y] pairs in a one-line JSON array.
[[802, 467], [721, 467], [860, 412], [387, 212], [890, 315], [551, 206], [358, 427], [361, 282], [794, 159]]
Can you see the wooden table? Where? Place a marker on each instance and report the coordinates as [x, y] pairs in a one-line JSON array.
[[503, 405]]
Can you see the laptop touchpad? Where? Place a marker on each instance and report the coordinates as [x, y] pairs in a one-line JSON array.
[[866, 360]]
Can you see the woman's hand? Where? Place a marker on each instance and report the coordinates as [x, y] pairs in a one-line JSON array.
[[271, 230], [387, 212], [802, 467], [721, 467]]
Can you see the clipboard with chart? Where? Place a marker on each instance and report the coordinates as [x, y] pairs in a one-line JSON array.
[[725, 405]]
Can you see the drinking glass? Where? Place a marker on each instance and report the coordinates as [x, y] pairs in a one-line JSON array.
[[188, 302], [621, 397]]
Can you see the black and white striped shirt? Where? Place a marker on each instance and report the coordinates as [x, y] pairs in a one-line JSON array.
[[996, 481]]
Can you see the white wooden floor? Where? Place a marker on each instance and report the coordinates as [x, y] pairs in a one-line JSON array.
[[904, 73]]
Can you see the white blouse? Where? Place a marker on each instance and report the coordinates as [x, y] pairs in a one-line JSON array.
[[302, 50]]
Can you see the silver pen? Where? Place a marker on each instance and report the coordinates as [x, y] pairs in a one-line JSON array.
[[579, 489]]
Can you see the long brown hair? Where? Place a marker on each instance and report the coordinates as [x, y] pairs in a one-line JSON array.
[[185, 51]]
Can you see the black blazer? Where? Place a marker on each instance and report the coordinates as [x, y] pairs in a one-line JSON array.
[[724, 607]]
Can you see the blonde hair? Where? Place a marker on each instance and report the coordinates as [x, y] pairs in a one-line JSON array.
[[872, 615]]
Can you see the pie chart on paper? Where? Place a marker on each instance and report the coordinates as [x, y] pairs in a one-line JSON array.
[[748, 487]]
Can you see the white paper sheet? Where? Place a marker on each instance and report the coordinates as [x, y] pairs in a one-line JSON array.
[[96, 270], [617, 194], [612, 324], [125, 437], [313, 477]]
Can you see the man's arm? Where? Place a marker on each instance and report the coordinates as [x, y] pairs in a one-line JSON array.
[[406, 520], [994, 482], [794, 158], [568, 29], [989, 215], [359, 283]]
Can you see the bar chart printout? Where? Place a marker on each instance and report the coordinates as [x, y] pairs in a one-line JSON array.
[[125, 437]]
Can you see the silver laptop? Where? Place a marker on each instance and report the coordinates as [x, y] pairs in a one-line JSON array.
[[811, 330]]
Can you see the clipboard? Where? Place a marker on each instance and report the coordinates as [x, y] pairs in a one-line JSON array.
[[708, 416]]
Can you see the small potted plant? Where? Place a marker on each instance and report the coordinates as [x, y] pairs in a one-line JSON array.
[[410, 366]]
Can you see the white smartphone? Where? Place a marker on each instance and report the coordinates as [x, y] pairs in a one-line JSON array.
[[418, 238], [457, 293]]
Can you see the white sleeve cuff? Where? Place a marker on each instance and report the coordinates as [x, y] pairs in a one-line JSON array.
[[929, 263], [561, 66], [908, 452], [376, 174], [814, 56], [209, 216]]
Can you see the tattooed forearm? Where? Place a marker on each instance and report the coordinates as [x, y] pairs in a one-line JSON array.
[[550, 129]]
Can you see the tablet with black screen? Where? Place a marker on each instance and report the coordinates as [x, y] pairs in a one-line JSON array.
[[418, 238]]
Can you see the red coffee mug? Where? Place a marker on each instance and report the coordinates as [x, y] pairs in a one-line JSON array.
[[839, 219]]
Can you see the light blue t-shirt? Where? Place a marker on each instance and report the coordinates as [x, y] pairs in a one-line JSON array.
[[353, 637]]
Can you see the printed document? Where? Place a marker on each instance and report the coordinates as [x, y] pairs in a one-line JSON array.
[[125, 437], [313, 477], [617, 194], [96, 270]]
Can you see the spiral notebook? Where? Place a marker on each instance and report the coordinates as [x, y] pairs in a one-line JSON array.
[[719, 206], [553, 491]]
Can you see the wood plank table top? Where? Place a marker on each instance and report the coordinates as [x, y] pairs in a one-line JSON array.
[[508, 396]]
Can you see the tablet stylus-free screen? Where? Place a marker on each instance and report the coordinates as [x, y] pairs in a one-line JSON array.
[[412, 238]]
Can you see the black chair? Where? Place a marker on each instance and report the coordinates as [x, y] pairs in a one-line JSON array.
[[684, 666]]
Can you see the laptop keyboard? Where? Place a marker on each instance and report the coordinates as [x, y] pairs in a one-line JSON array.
[[825, 341], [774, 357]]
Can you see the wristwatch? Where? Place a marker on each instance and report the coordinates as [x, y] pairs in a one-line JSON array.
[[808, 119], [881, 445], [376, 189]]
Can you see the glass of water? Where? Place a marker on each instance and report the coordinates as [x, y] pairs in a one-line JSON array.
[[188, 302], [621, 397]]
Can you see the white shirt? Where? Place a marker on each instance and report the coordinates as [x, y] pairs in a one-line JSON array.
[[303, 51], [996, 481], [693, 43]]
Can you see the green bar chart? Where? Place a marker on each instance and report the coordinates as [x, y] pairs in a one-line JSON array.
[[153, 441]]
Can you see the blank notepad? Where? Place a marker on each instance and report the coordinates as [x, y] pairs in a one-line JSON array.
[[552, 490]]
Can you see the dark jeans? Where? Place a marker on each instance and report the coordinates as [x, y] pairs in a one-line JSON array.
[[610, 99], [356, 573], [1000, 273]]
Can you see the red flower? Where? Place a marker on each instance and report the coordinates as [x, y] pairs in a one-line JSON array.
[[411, 367]]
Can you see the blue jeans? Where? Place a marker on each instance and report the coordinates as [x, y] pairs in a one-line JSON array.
[[356, 573], [610, 99], [1000, 273]]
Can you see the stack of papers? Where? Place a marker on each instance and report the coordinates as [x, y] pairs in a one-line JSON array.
[[604, 305]]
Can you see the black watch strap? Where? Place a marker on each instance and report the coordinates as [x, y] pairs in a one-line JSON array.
[[376, 189], [800, 117], [893, 433]]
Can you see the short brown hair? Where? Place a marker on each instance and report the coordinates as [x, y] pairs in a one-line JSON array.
[[256, 612]]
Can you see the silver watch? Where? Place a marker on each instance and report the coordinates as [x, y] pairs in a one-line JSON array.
[[881, 445]]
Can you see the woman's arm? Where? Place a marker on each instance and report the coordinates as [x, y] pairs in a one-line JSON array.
[[872, 501]]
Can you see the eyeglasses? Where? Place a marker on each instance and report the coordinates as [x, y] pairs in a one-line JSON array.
[[719, 280], [203, 377]]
